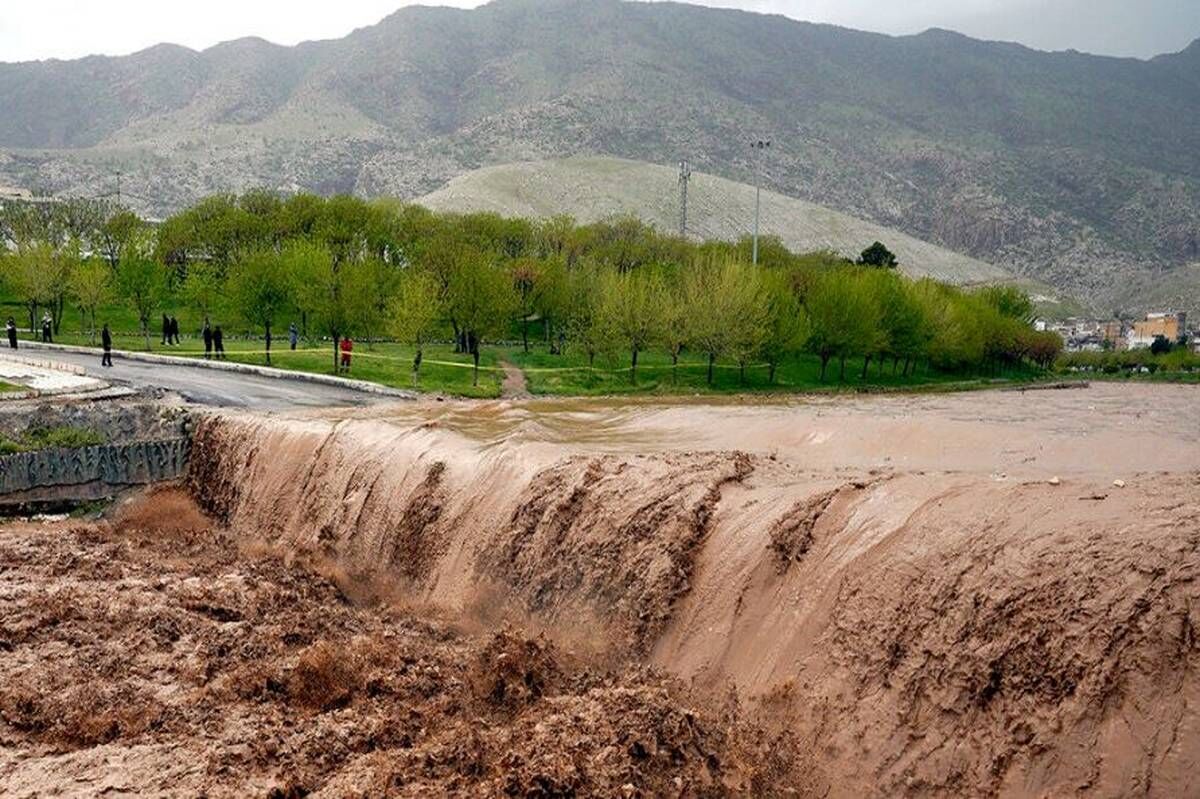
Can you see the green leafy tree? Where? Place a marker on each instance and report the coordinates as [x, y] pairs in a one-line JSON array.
[[586, 327], [703, 296], [91, 287], [748, 313], [556, 238], [1009, 301], [439, 259], [1046, 347], [674, 324], [416, 313], [481, 298], [383, 281], [334, 294], [341, 227], [727, 311], [957, 338], [906, 329], [204, 287], [629, 307], [552, 299], [32, 275], [787, 326], [81, 219], [260, 289], [142, 283], [526, 280], [120, 232], [844, 318], [63, 264], [879, 256]]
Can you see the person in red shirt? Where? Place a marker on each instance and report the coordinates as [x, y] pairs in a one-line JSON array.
[[347, 348]]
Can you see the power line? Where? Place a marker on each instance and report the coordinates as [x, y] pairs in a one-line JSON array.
[[685, 174], [758, 147]]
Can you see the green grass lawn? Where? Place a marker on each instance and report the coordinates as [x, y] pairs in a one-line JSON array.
[[1161, 376], [384, 363], [51, 438], [563, 375], [568, 375], [9, 387], [443, 371]]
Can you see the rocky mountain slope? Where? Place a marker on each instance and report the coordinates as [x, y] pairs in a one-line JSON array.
[[1079, 170]]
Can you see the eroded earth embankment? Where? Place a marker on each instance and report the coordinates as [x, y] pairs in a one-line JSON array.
[[986, 595], [949, 594]]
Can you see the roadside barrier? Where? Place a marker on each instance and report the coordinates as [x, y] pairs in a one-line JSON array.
[[89, 472]]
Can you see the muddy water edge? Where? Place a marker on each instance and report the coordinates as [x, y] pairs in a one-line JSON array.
[[987, 594]]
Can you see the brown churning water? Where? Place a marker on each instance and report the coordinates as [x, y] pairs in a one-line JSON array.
[[904, 570]]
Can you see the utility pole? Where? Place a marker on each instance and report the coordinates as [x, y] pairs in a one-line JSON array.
[[685, 174], [758, 147]]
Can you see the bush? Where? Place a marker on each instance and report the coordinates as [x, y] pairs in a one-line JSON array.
[[40, 438]]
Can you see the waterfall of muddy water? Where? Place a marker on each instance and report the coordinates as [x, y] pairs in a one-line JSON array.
[[949, 591]]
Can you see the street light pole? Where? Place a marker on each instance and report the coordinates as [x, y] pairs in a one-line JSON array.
[[758, 147]]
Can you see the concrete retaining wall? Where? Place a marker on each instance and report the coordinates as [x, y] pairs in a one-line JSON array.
[[82, 474]]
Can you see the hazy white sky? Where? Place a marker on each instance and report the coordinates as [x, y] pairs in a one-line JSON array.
[[35, 29]]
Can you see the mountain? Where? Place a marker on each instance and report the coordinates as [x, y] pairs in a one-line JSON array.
[[1079, 170], [595, 188]]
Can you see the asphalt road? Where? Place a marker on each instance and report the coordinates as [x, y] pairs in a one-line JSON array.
[[216, 387]]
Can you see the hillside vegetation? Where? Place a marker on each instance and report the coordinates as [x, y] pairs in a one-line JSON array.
[[1080, 171], [594, 307], [594, 189]]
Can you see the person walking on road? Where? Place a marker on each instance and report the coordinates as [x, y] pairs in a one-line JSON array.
[[11, 329], [218, 339], [47, 328], [347, 350], [106, 343], [207, 334], [293, 335]]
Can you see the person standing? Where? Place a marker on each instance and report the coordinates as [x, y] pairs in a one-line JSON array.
[[175, 330], [293, 335], [47, 328], [166, 330], [207, 335], [218, 339], [106, 343], [347, 349], [11, 329]]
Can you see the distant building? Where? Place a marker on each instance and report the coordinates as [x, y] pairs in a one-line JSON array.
[[1086, 334], [1113, 334], [1170, 325]]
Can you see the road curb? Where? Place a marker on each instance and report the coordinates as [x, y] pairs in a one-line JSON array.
[[50, 366], [229, 366], [42, 363]]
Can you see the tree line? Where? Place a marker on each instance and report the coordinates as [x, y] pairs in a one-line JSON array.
[[611, 290]]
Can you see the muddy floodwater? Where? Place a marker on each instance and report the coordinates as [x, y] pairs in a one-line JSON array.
[[978, 594], [1098, 429]]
